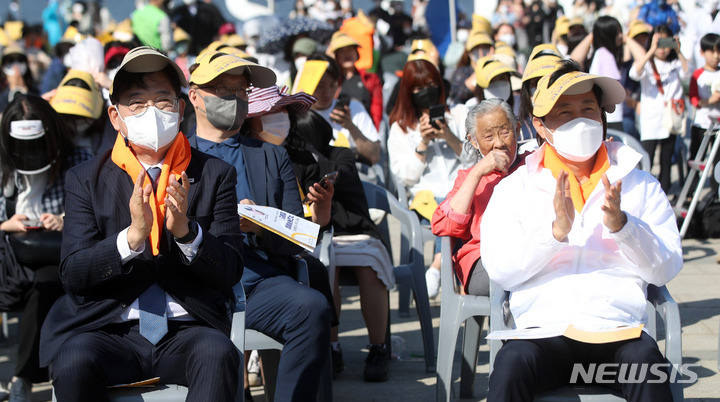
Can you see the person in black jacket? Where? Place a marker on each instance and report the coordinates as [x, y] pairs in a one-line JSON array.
[[151, 250], [353, 229]]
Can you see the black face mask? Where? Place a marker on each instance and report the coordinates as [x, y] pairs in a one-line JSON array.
[[30, 156], [426, 97]]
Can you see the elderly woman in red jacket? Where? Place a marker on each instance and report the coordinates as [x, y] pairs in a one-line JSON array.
[[492, 131]]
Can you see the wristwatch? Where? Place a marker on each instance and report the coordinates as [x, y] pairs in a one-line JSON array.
[[419, 152], [190, 236]]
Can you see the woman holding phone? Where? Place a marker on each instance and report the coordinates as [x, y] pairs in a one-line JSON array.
[[35, 153], [660, 72], [356, 241], [424, 157]]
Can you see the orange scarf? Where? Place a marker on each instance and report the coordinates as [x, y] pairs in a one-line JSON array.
[[176, 161], [579, 192]]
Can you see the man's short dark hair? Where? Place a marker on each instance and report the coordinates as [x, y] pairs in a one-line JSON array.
[[125, 80], [710, 41]]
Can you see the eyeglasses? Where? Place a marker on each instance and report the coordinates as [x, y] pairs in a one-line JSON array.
[[138, 107], [224, 91]]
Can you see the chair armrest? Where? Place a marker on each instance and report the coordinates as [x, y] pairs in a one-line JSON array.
[[499, 320], [325, 251], [447, 280], [301, 271], [669, 312]]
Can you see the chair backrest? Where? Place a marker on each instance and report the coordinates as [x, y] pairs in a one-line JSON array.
[[632, 142], [410, 235]]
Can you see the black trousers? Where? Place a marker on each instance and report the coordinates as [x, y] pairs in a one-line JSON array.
[[525, 367], [200, 357], [667, 147], [45, 290]]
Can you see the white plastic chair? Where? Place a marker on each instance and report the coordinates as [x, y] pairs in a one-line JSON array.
[[410, 274], [659, 302], [632, 142], [455, 309], [411, 271]]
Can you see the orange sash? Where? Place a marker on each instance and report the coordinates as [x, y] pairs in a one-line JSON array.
[[579, 192], [176, 161]]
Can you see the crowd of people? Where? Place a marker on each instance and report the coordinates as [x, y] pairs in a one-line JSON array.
[[128, 147]]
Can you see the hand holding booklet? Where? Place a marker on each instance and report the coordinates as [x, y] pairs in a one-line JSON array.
[[596, 335], [294, 228]]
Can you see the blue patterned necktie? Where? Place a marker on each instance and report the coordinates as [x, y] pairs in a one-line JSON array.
[[151, 303], [154, 174], [153, 319]]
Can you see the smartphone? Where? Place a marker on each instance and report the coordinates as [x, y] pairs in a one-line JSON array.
[[32, 224], [437, 112], [667, 43], [342, 101], [330, 177]]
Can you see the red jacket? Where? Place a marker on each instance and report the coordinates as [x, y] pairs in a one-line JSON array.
[[374, 86], [466, 227]]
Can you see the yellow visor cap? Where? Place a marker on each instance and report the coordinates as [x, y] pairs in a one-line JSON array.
[[213, 64], [576, 83]]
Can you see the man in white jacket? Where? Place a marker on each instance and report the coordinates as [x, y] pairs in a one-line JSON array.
[[595, 233]]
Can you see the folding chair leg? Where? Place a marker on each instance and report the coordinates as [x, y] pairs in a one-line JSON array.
[[470, 349], [422, 305], [270, 362]]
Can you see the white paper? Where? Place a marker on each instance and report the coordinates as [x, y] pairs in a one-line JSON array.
[[528, 333], [294, 228]]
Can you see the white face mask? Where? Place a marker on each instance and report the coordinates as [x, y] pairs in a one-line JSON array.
[[299, 62], [508, 38], [10, 68], [276, 127], [462, 35], [578, 139], [498, 89], [153, 129], [563, 49]]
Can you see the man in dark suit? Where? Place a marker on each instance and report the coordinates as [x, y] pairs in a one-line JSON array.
[[277, 304], [148, 267]]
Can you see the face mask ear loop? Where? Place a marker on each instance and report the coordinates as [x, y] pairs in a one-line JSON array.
[[547, 138], [127, 143]]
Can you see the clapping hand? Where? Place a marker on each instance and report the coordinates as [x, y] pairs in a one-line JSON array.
[[140, 213], [564, 208], [176, 202], [614, 219]]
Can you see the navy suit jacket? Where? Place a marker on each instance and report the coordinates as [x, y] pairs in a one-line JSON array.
[[272, 183], [99, 287]]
